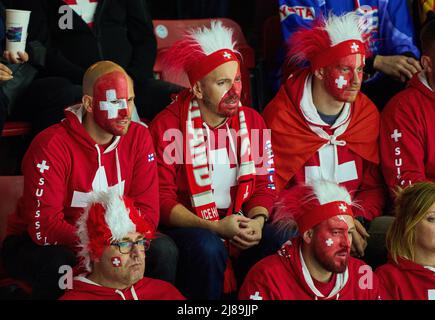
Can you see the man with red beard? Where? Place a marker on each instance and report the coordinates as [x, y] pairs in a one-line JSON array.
[[317, 265], [96, 148], [215, 167], [113, 239], [322, 126]]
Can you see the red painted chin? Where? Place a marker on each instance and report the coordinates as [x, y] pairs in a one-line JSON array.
[[117, 127]]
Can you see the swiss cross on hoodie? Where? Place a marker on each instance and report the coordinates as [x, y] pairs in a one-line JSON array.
[[408, 135], [284, 276], [406, 280], [63, 165]]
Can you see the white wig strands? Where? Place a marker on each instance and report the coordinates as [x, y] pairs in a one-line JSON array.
[[327, 191], [216, 38], [117, 219], [345, 27]]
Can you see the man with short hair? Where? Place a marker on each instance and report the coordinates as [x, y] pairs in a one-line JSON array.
[[215, 167], [113, 238], [323, 127], [407, 132], [317, 264], [96, 148]]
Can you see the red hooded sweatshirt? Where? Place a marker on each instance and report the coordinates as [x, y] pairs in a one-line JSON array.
[[144, 289], [406, 280], [306, 148], [408, 135], [284, 276], [174, 186], [63, 164]]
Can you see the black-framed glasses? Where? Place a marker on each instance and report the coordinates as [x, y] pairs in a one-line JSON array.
[[125, 247]]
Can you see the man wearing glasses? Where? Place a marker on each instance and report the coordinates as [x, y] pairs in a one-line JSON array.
[[113, 239]]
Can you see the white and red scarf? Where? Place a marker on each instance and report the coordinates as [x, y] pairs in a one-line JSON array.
[[197, 166]]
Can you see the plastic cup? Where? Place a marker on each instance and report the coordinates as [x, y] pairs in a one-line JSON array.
[[17, 22]]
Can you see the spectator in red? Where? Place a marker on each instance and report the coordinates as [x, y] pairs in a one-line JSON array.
[[317, 264], [410, 271], [113, 238]]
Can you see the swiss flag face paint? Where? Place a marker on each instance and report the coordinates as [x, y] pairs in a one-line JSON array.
[[110, 107], [343, 78], [229, 103], [116, 262], [331, 244]]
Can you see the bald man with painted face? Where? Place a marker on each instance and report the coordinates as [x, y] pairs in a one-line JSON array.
[[95, 148]]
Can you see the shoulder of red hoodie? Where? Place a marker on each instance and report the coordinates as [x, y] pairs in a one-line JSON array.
[[146, 289], [406, 280]]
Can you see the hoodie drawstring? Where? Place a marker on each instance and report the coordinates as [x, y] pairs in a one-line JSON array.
[[121, 294], [118, 173], [133, 293], [334, 142]]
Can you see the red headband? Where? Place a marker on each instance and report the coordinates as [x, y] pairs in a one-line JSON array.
[[336, 52], [318, 214], [205, 65]]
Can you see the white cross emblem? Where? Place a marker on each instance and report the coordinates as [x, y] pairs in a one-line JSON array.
[[340, 82], [329, 242], [99, 183], [42, 166], [246, 193], [223, 177], [151, 157], [396, 135], [342, 207], [112, 104], [227, 55], [85, 9], [116, 262], [256, 296], [328, 170], [354, 47]]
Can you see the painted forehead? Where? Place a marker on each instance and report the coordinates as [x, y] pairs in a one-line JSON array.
[[353, 60], [115, 79], [335, 222]]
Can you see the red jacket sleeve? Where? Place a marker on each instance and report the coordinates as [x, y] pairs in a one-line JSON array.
[[371, 194], [403, 141], [45, 171], [261, 144], [165, 144], [145, 184]]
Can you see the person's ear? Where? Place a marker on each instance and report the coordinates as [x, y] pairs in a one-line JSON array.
[[308, 236], [320, 73], [87, 103], [197, 90], [426, 63]]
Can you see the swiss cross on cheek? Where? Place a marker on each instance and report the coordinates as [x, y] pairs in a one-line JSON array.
[[341, 82], [116, 262]]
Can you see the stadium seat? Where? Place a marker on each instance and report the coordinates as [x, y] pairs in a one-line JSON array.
[[11, 189], [15, 128], [169, 31]]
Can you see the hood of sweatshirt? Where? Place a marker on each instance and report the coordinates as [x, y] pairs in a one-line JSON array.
[[420, 83]]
